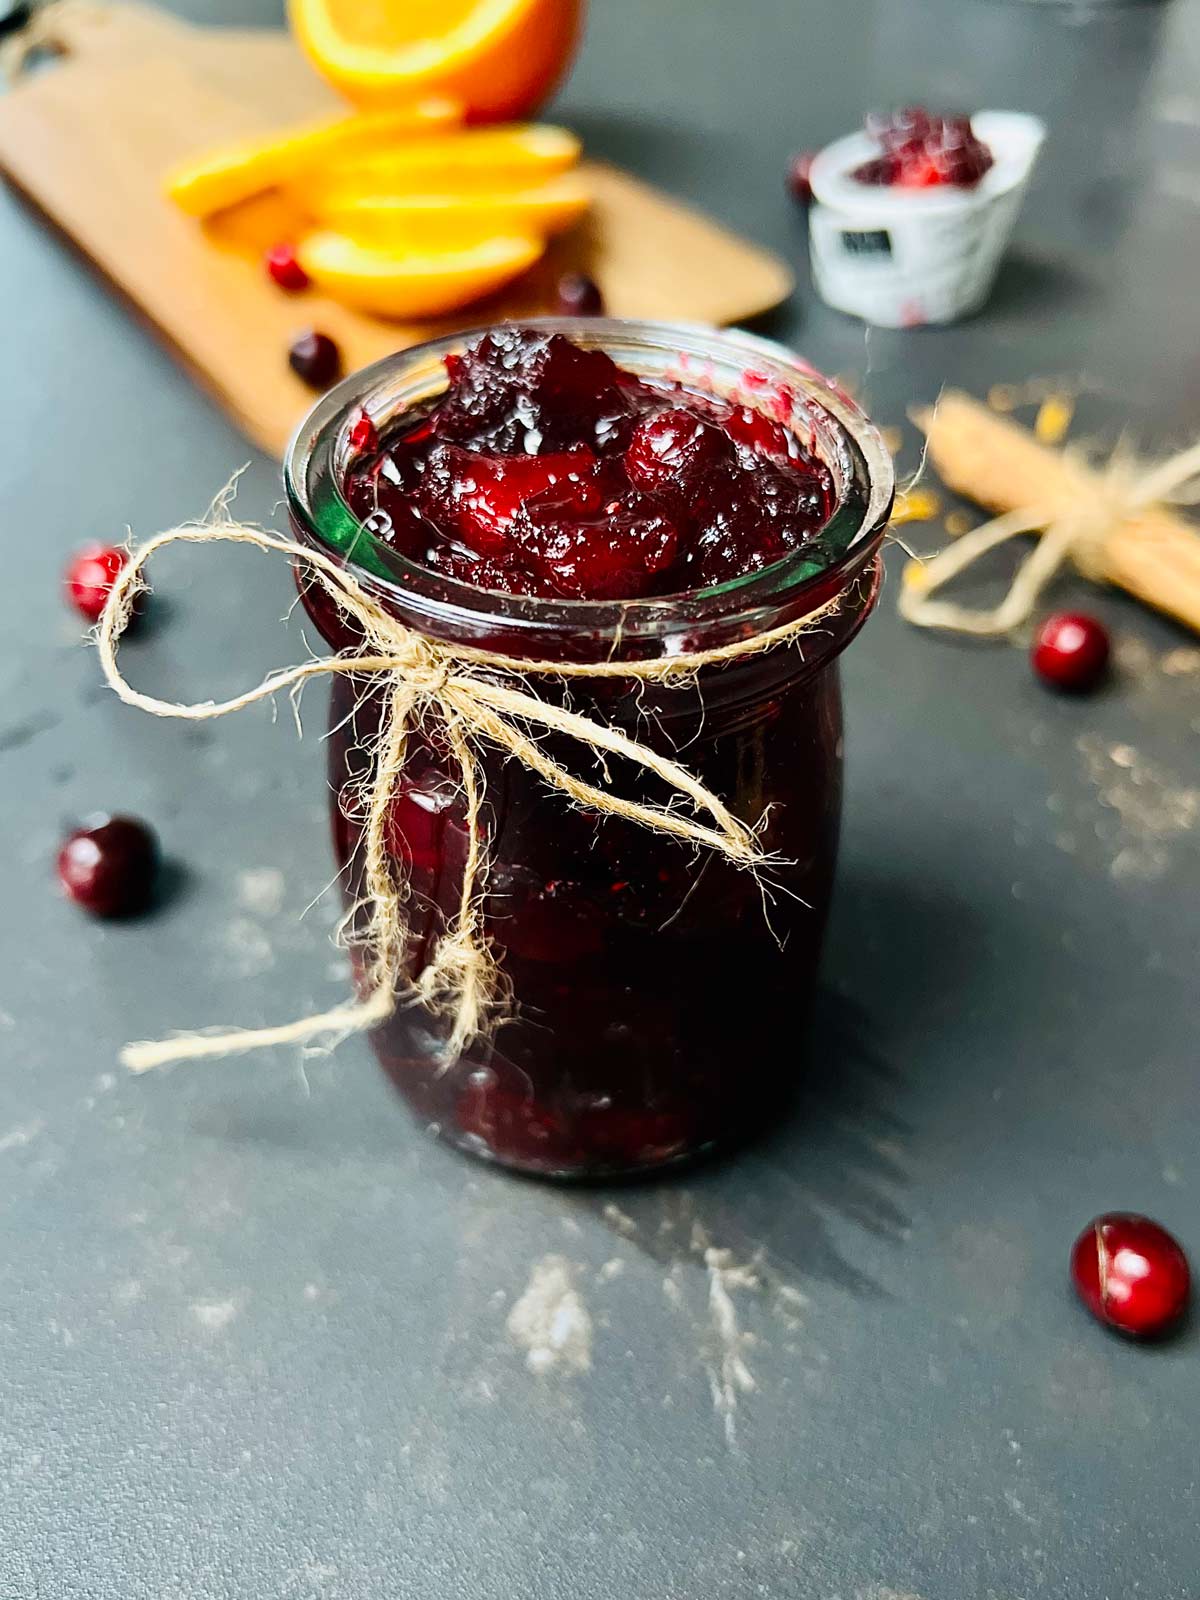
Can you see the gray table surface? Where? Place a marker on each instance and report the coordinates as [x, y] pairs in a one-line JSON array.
[[253, 1324]]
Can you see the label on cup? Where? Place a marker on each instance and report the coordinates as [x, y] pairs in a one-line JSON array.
[[910, 270]]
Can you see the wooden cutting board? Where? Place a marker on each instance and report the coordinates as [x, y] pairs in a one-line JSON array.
[[89, 138]]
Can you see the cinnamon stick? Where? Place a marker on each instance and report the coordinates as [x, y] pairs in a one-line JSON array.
[[997, 463]]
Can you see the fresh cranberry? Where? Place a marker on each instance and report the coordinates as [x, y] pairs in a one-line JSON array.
[[1071, 651], [316, 358], [579, 296], [1131, 1274], [799, 176], [283, 267], [110, 866], [363, 436], [90, 575]]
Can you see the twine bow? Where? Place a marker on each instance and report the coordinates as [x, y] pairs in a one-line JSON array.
[[477, 697], [1078, 531]]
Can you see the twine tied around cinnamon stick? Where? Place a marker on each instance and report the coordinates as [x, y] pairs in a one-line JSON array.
[[476, 697], [1079, 524]]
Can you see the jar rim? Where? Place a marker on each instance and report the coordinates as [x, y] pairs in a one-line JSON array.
[[319, 452]]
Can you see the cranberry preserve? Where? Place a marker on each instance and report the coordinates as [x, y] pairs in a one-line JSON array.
[[626, 492], [547, 470], [920, 150]]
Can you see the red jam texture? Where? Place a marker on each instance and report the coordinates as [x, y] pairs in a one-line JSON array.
[[922, 151], [546, 470], [1131, 1274]]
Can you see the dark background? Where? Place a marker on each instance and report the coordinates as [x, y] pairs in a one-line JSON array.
[[253, 1335]]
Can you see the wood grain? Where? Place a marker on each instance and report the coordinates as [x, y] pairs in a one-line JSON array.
[[88, 142]]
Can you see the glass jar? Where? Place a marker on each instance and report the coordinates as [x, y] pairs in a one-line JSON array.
[[659, 993]]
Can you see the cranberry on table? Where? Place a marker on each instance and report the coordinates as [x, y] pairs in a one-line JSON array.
[[579, 296], [1071, 651], [283, 267], [799, 176], [90, 575], [1131, 1274], [316, 358], [110, 866]]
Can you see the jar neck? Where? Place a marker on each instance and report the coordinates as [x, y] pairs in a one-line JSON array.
[[716, 689], [837, 576]]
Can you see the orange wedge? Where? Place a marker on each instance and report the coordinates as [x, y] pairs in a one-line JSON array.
[[252, 227], [423, 219], [512, 157], [501, 58], [235, 173], [405, 283]]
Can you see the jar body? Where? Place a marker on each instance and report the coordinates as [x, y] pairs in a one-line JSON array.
[[659, 994]]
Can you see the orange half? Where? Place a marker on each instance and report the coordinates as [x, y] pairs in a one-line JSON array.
[[502, 58]]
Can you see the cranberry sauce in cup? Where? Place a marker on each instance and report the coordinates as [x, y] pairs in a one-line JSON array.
[[513, 491]]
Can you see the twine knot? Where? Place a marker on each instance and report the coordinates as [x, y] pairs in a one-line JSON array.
[[1077, 529], [423, 664]]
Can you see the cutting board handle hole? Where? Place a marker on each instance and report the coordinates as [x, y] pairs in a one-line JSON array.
[[34, 36]]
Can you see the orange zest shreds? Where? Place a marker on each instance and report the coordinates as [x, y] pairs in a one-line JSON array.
[[1054, 417], [916, 505]]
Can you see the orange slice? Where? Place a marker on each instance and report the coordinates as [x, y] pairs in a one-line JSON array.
[[419, 218], [502, 58], [405, 283], [234, 173], [253, 226], [487, 159]]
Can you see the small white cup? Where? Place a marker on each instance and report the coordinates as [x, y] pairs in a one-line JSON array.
[[899, 258]]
